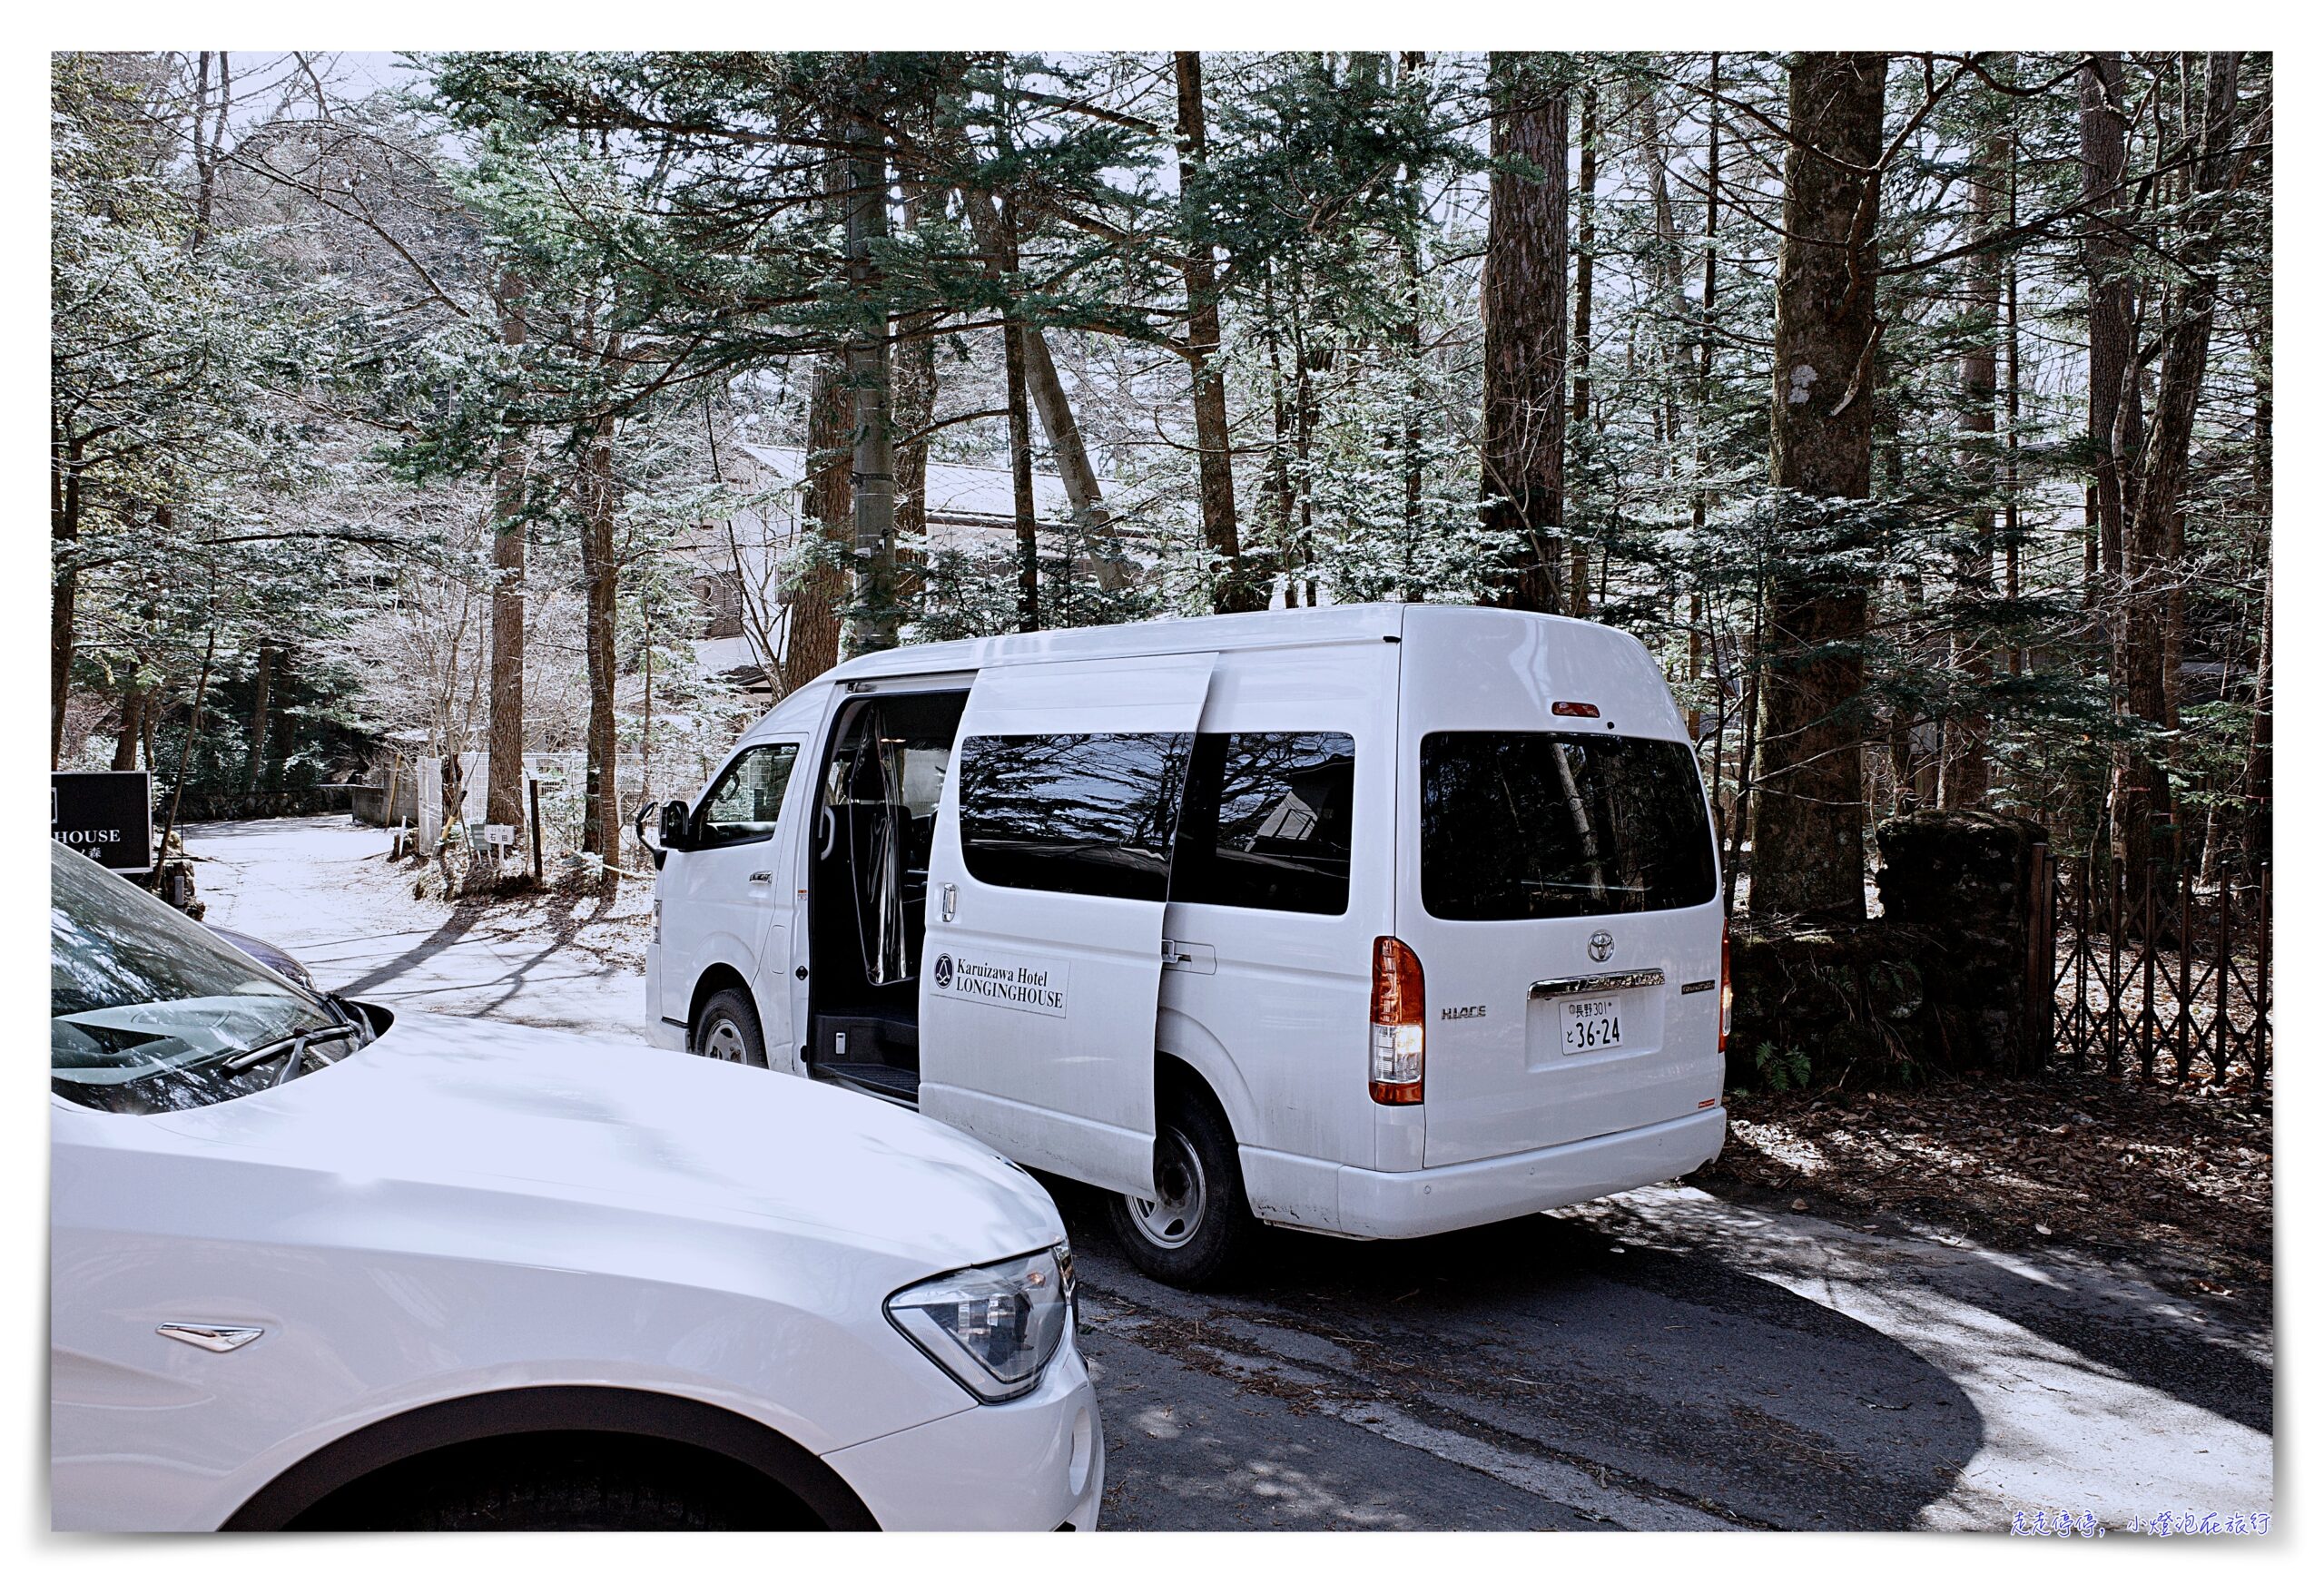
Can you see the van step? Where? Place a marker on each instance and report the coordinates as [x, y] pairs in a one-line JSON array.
[[887, 1082], [873, 1038]]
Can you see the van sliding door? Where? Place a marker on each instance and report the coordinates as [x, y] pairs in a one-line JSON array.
[[1043, 962]]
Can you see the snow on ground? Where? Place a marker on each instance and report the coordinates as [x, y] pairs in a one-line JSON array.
[[321, 888]]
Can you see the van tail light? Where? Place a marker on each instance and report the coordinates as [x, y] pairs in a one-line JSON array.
[[1726, 984], [1399, 1023]]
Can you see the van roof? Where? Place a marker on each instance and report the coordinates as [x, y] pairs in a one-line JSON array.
[[1332, 623]]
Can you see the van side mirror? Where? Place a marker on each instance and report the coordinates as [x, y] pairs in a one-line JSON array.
[[657, 848], [675, 832]]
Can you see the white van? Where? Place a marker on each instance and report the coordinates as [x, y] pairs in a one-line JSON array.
[[1374, 920]]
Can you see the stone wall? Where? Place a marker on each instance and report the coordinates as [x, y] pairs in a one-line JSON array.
[[1937, 983]]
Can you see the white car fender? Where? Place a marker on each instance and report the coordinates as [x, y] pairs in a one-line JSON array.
[[439, 1217]]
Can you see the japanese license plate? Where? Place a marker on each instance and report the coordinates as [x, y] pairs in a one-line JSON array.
[[1586, 1026]]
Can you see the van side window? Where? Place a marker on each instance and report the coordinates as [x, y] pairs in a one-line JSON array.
[[746, 800], [1091, 814], [1268, 821]]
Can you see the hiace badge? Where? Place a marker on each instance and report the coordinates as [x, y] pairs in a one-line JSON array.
[[1019, 983]]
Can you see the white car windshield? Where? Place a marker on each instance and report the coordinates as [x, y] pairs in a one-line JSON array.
[[148, 1012]]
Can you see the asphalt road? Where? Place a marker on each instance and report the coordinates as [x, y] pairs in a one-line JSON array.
[[1664, 1360]]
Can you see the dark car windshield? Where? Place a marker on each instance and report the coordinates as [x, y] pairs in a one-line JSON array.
[[148, 1012], [1557, 824]]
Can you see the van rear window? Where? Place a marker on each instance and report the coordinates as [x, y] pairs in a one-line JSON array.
[[1556, 824]]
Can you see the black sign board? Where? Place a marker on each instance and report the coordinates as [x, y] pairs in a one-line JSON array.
[[105, 815]]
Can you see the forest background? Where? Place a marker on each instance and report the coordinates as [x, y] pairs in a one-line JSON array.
[[1915, 409]]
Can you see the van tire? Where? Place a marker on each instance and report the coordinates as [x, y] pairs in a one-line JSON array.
[[1196, 1167], [728, 1030]]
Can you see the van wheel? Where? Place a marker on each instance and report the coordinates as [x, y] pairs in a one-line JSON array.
[[728, 1030], [1194, 1234]]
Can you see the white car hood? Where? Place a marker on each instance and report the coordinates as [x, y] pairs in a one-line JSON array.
[[455, 1102]]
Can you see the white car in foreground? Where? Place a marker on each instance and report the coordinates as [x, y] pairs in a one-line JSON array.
[[318, 1265]]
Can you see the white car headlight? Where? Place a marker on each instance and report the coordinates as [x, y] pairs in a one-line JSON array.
[[993, 1327]]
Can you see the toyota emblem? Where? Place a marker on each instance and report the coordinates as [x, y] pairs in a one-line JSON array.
[[1601, 946]]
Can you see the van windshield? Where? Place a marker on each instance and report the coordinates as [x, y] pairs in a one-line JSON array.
[[1556, 824]]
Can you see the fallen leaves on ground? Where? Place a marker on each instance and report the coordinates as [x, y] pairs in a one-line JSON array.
[[2178, 1184]]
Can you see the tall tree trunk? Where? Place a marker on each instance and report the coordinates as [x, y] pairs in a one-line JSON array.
[[811, 634], [1807, 814], [1747, 755], [132, 715], [601, 575], [872, 616], [1412, 458], [286, 722], [1020, 446], [2143, 802], [1523, 298], [915, 408], [1370, 72], [1668, 274], [1091, 521], [2258, 762], [1698, 507], [1280, 494], [254, 762], [64, 591], [1585, 260], [2114, 420], [2258, 765], [209, 140], [1233, 588], [185, 749], [2012, 535], [1306, 360], [504, 777], [1020, 483], [64, 582], [1967, 774]]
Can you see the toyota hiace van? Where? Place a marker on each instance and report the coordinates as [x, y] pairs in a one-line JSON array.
[[1372, 921]]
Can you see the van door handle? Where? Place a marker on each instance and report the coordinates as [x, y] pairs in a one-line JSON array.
[[763, 877], [951, 903], [1188, 957]]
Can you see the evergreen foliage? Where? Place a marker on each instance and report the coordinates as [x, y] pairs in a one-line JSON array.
[[314, 350]]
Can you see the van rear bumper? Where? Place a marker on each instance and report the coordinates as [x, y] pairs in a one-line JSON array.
[[1409, 1204]]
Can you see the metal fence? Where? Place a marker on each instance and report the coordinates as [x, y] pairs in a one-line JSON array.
[[2168, 983]]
